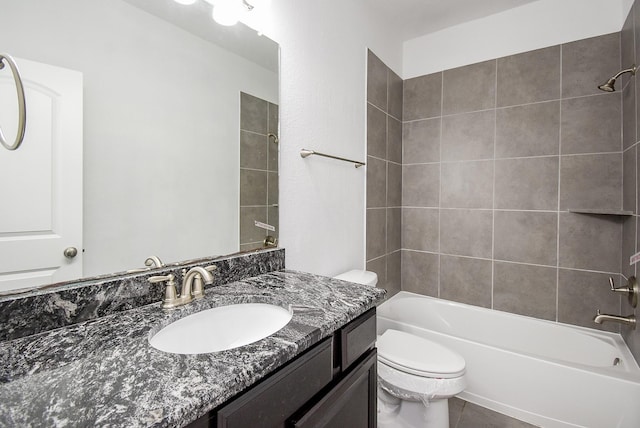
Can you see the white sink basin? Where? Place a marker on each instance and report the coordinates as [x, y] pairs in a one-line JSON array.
[[218, 329]]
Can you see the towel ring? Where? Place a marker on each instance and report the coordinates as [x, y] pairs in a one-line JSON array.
[[22, 109]]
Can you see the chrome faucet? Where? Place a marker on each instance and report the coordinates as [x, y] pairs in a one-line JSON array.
[[153, 261], [196, 275], [628, 320]]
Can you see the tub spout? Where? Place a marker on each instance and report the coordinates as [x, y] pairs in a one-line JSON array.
[[628, 320]]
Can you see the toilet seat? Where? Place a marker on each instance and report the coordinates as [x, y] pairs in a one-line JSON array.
[[410, 387], [418, 356]]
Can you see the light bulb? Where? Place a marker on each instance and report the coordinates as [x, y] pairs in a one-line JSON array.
[[187, 2], [228, 13]]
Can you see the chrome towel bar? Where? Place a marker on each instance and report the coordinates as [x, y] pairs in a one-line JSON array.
[[306, 153], [22, 109]]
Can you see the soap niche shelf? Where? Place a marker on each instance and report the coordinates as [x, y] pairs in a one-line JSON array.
[[602, 212]]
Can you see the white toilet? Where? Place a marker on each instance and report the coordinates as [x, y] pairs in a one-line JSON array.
[[416, 376]]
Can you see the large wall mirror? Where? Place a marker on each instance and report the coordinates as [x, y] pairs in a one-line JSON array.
[[162, 91]]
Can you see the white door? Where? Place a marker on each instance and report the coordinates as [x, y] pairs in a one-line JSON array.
[[41, 181]]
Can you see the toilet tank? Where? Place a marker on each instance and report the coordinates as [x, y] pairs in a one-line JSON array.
[[358, 276]]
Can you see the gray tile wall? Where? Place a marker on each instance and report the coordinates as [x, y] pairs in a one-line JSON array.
[[384, 173], [628, 86], [495, 155], [258, 170]]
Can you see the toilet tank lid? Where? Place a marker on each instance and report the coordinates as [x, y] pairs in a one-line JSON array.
[[358, 276], [418, 356]]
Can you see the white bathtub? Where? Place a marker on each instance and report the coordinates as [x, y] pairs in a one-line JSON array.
[[544, 373]]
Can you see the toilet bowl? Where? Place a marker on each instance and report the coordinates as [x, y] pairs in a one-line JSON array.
[[416, 376]]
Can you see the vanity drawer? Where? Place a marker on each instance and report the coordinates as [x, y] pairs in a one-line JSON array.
[[272, 402], [357, 338]]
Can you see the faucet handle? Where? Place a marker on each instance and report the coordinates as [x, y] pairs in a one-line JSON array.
[[170, 294], [198, 284], [631, 289]]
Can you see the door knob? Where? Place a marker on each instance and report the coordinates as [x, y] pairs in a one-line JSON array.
[[70, 252]]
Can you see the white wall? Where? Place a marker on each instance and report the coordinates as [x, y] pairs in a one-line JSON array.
[[533, 26], [161, 111], [323, 80]]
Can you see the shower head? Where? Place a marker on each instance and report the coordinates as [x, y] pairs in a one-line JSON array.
[[610, 85]]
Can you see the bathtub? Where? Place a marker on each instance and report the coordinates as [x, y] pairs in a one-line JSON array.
[[541, 372]]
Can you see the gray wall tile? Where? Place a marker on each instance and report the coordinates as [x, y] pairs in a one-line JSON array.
[[420, 272], [421, 141], [273, 218], [379, 266], [273, 118], [525, 290], [591, 124], [376, 132], [421, 185], [591, 182], [529, 77], [420, 229], [376, 183], [272, 188], [467, 184], [422, 97], [629, 114], [581, 294], [629, 159], [469, 88], [628, 245], [253, 150], [466, 280], [376, 232], [627, 48], [394, 184], [468, 136], [253, 114], [588, 63], [394, 140], [529, 130], [248, 230], [394, 273], [590, 242], [466, 232], [273, 149], [395, 95], [527, 237], [394, 229], [527, 184], [376, 81], [253, 187]]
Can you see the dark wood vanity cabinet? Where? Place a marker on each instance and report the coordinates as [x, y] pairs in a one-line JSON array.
[[332, 384]]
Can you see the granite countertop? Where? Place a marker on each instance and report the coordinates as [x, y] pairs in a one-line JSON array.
[[103, 372]]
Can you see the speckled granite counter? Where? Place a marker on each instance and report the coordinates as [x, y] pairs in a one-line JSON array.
[[103, 372]]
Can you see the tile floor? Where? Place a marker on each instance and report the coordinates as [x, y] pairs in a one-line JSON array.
[[463, 414]]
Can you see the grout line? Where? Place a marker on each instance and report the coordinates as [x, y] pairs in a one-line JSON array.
[[560, 99], [440, 188], [515, 158], [493, 201], [558, 206]]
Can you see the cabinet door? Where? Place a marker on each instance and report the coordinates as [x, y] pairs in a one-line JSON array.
[[272, 402], [351, 403]]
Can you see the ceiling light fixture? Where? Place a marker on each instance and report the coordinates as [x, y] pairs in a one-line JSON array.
[[229, 12], [185, 2]]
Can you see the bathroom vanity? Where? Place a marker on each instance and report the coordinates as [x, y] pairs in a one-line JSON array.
[[331, 384], [319, 368]]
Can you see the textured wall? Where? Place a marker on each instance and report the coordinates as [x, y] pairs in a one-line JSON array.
[[258, 170], [630, 42], [495, 154], [384, 172]]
